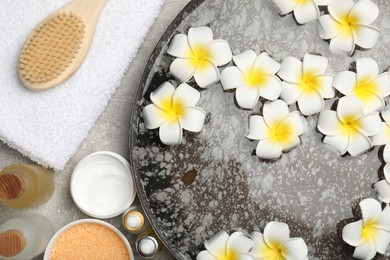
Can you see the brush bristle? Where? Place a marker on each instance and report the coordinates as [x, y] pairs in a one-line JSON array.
[[51, 48]]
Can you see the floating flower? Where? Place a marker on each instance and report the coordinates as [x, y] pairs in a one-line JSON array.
[[304, 10], [371, 234], [224, 247], [198, 55], [276, 244], [306, 82], [277, 130], [253, 77], [174, 110], [348, 24], [364, 84], [348, 129]]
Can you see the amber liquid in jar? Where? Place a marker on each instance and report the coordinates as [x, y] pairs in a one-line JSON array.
[[24, 185]]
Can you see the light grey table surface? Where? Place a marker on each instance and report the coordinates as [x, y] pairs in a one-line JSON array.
[[110, 133]]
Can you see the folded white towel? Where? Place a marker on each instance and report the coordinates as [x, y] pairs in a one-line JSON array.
[[49, 126]]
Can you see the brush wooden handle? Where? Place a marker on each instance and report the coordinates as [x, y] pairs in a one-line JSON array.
[[11, 243], [11, 186]]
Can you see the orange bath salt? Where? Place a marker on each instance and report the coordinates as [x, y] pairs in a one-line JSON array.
[[89, 241]]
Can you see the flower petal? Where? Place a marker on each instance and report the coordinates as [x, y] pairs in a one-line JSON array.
[[365, 251], [382, 240], [372, 102], [171, 133], [207, 75], [386, 154], [179, 46], [306, 12], [340, 142], [315, 64], [387, 171], [245, 256], [366, 69], [274, 111], [199, 36], [383, 189], [352, 233], [386, 116], [323, 2], [186, 95], [369, 125], [231, 78], [266, 149], [271, 88], [290, 142], [349, 108], [238, 242], [220, 52], [153, 116], [266, 64], [276, 233], [358, 144], [193, 119], [328, 27], [294, 119], [290, 92], [328, 123], [383, 137], [325, 85], [291, 70], [366, 11], [366, 36], [310, 103], [205, 255], [257, 128], [285, 6], [371, 209], [294, 248], [345, 82], [163, 95], [182, 69], [247, 97], [382, 84], [338, 9], [260, 249], [217, 243], [245, 60], [343, 43], [383, 220]]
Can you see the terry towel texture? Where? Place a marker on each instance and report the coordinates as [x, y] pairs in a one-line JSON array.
[[49, 126]]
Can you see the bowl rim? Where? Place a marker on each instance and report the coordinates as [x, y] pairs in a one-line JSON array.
[[70, 225]]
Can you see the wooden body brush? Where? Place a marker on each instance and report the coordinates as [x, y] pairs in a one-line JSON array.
[[58, 45]]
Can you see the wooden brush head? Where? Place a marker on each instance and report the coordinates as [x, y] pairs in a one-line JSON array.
[[11, 186], [11, 243], [50, 49]]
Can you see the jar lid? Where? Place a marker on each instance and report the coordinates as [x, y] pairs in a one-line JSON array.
[[147, 246], [133, 220]]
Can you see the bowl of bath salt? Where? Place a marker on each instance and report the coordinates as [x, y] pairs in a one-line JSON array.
[[88, 239]]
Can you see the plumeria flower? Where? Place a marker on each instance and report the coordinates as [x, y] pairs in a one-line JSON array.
[[365, 84], [198, 55], [276, 244], [224, 247], [347, 129], [277, 130], [306, 82], [304, 10], [349, 23], [383, 138], [253, 77], [174, 110], [371, 234]]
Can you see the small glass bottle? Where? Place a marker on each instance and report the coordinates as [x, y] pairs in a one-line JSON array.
[[24, 185], [148, 245], [24, 237], [134, 220]]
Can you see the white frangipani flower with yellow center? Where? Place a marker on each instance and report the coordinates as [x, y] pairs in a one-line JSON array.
[[277, 130], [371, 234], [224, 247], [306, 82], [347, 129], [252, 77], [304, 10], [349, 23], [198, 56], [383, 138], [366, 84], [172, 111], [276, 244]]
